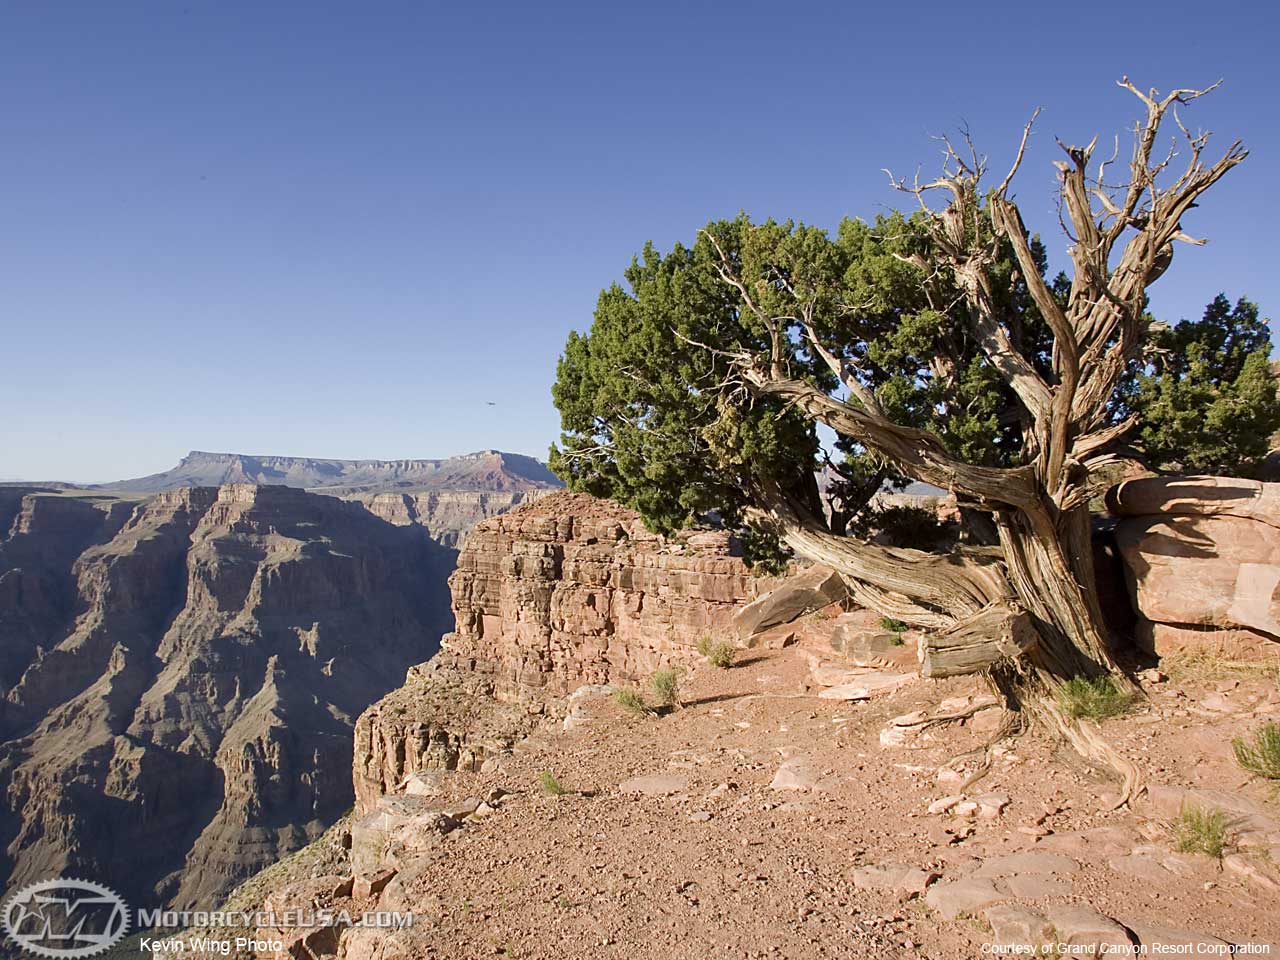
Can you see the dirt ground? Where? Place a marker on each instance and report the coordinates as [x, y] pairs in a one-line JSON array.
[[718, 854]]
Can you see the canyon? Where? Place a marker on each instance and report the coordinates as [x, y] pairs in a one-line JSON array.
[[813, 799], [182, 665]]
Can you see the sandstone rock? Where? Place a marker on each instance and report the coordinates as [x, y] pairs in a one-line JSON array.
[[364, 887], [952, 898], [655, 785], [423, 783], [1219, 571], [1032, 887], [860, 642], [1083, 926], [863, 685], [809, 590], [1264, 877], [945, 804], [796, 773], [895, 877], [1016, 925], [1026, 863], [1172, 941]]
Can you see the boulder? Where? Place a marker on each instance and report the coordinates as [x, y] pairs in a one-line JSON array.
[[812, 589], [1206, 571]]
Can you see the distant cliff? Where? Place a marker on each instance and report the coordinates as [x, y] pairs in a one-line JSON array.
[[181, 675], [487, 470], [446, 497]]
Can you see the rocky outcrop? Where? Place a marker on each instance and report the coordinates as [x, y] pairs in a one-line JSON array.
[[561, 593], [447, 515], [188, 671], [1203, 559], [575, 590]]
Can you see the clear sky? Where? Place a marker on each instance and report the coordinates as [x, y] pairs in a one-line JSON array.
[[342, 229]]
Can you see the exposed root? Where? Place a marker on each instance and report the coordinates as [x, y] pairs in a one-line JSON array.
[[1032, 692]]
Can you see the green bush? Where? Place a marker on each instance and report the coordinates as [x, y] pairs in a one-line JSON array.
[[1201, 831], [550, 785], [666, 686], [1093, 698], [1260, 755], [632, 701], [719, 653], [892, 625]]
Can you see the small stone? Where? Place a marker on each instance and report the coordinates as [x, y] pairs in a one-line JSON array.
[[966, 808], [896, 877], [795, 774], [944, 804], [702, 816]]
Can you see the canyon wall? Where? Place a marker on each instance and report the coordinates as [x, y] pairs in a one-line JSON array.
[[566, 591], [182, 674]]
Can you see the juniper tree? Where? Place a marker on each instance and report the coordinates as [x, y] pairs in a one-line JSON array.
[[934, 347]]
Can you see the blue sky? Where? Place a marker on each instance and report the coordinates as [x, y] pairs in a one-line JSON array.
[[340, 230]]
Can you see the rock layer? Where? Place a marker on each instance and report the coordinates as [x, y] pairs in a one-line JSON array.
[[564, 592], [187, 671]]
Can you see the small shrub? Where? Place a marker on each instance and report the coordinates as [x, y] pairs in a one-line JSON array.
[[892, 625], [719, 653], [1261, 754], [550, 785], [632, 701], [1092, 698], [1201, 831], [666, 687]]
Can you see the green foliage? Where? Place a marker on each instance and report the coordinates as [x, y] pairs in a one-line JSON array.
[[1092, 698], [1201, 831], [892, 625], [666, 686], [550, 785], [649, 418], [632, 701], [1260, 754], [719, 653], [1208, 397]]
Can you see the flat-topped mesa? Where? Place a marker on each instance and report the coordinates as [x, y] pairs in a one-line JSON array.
[[572, 590]]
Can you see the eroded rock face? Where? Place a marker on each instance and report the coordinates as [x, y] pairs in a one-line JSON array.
[[560, 593], [188, 670], [574, 590]]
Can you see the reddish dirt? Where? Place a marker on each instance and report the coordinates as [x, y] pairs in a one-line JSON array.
[[769, 873]]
